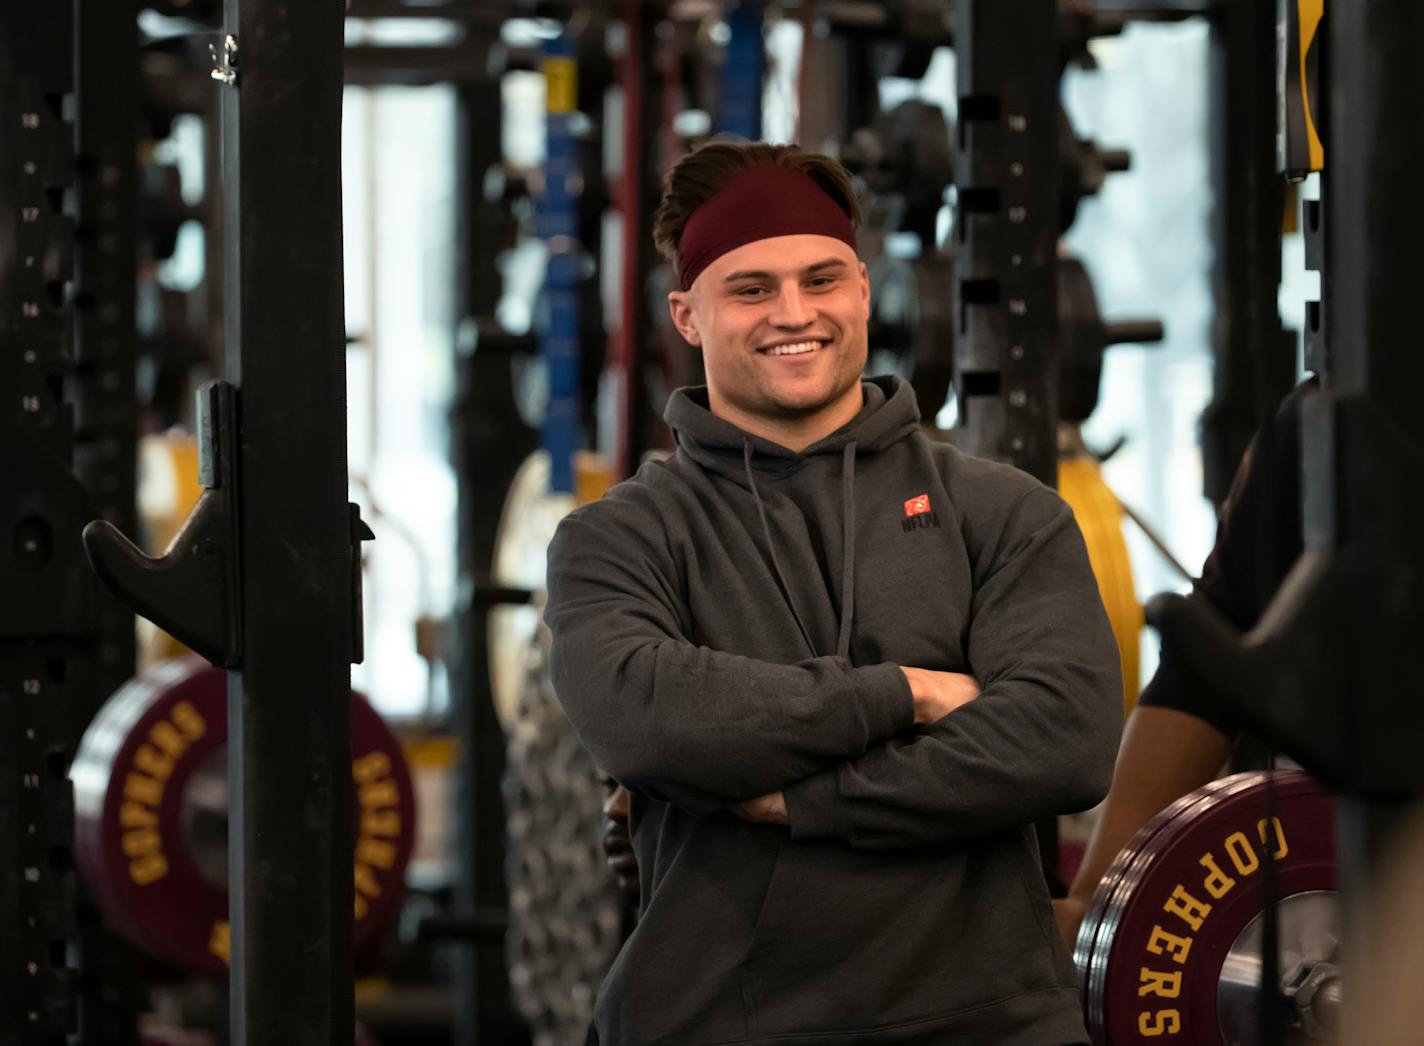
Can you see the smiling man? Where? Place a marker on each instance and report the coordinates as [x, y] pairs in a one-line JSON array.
[[841, 668]]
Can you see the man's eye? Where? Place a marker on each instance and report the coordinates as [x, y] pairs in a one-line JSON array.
[[749, 292], [822, 281]]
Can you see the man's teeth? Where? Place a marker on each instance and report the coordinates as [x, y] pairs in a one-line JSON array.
[[796, 349]]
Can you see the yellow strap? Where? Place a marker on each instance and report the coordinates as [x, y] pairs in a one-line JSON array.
[[1311, 12], [1099, 516]]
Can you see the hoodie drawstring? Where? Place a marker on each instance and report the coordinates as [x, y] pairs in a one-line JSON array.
[[848, 559], [848, 545]]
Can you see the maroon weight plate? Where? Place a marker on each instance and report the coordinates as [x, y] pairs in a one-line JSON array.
[[1117, 893], [150, 794], [1172, 913], [1115, 889], [1096, 927]]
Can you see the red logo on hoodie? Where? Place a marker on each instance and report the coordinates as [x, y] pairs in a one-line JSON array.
[[917, 506]]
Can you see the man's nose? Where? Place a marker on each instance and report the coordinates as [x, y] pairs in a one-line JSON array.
[[792, 308]]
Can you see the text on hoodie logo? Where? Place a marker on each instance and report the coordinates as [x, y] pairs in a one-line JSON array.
[[918, 514]]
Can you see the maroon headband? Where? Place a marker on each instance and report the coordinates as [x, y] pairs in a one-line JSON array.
[[757, 204]]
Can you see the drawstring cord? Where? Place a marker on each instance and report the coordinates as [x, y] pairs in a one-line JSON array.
[[848, 543]]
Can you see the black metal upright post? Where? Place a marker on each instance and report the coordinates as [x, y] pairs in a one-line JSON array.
[[289, 706], [106, 427], [640, 428], [1006, 348], [1370, 501], [47, 609], [1007, 166], [1255, 359], [105, 272], [1325, 675], [264, 576], [488, 443], [483, 225]]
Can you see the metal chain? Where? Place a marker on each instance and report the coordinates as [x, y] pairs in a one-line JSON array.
[[563, 906]]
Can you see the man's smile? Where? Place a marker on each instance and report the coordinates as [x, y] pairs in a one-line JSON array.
[[799, 347]]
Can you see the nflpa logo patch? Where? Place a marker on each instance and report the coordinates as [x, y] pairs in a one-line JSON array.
[[918, 514]]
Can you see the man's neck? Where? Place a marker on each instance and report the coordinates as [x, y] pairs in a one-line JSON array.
[[795, 434]]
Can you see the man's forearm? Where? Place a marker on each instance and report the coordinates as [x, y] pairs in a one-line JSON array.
[[706, 730], [1016, 753], [934, 694]]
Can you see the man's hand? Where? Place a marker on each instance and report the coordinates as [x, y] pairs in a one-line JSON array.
[[769, 809], [937, 694]]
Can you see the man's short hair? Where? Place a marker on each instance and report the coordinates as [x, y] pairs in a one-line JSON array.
[[698, 176]]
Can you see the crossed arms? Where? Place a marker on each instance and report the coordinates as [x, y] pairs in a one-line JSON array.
[[860, 755]]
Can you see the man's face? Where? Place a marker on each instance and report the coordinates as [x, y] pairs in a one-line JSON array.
[[782, 326]]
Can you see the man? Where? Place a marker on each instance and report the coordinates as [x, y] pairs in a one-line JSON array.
[[840, 668], [1179, 738]]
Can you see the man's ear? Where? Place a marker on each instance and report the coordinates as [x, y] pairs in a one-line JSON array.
[[683, 317], [865, 285]]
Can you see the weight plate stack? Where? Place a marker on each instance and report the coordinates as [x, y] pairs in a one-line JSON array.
[[150, 796], [564, 916]]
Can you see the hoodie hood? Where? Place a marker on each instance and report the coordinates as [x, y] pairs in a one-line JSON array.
[[890, 414]]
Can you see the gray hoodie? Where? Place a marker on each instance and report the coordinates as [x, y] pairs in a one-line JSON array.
[[730, 623]]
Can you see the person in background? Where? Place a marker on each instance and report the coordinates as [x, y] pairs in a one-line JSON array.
[[622, 862], [1179, 738], [617, 841]]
